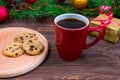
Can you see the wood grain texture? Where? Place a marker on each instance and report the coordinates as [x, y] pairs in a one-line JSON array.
[[100, 62]]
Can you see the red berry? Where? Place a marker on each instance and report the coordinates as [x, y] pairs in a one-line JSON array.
[[31, 1]]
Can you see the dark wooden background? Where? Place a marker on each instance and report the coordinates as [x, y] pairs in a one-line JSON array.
[[100, 62]]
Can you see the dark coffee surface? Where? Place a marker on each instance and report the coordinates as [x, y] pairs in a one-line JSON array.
[[71, 23]]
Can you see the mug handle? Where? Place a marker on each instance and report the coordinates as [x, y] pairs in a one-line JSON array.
[[99, 30]]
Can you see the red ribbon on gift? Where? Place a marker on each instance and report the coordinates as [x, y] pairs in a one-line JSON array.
[[105, 22]]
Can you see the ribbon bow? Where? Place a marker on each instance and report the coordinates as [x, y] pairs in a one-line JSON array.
[[105, 22], [107, 11]]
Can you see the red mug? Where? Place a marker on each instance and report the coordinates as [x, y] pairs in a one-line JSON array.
[[71, 42]]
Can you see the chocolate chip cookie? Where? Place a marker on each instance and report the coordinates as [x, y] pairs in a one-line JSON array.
[[25, 36], [33, 47], [13, 50]]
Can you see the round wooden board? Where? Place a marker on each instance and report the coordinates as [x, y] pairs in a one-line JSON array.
[[10, 67]]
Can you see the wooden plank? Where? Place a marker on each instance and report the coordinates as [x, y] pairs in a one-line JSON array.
[[72, 73], [100, 62]]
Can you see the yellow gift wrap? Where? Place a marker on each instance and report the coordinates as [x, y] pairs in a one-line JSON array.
[[112, 30]]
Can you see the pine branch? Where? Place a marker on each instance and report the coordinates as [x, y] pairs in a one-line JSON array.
[[116, 13], [90, 12], [93, 4], [2, 3], [43, 8], [49, 8]]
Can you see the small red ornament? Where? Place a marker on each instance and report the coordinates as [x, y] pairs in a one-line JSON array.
[[31, 1], [3, 14]]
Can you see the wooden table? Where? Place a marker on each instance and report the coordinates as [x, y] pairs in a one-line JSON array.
[[100, 62]]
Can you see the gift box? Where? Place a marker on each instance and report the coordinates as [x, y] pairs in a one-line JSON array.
[[111, 31]]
